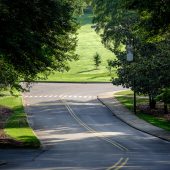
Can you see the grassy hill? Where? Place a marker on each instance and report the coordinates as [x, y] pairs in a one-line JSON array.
[[84, 70]]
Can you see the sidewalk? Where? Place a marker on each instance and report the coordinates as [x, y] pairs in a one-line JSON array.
[[128, 117]]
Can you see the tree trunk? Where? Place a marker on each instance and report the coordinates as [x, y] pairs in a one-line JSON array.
[[165, 108], [152, 102]]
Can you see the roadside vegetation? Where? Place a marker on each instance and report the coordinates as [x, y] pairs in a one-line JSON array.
[[143, 65], [153, 116], [29, 47], [14, 128]]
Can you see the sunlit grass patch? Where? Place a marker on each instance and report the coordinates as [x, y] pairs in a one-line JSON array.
[[17, 126], [84, 70]]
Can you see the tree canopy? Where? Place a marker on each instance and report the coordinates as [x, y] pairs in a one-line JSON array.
[[144, 26], [36, 36], [155, 14]]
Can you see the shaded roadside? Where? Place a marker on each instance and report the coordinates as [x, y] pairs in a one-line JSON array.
[[128, 117]]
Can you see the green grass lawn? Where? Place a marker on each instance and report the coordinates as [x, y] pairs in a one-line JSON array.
[[84, 70], [126, 98], [17, 126]]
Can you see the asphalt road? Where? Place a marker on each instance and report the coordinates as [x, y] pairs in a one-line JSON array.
[[79, 133]]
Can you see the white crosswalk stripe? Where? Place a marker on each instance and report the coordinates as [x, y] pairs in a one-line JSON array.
[[59, 96]]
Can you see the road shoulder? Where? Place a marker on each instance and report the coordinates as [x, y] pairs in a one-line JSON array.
[[129, 118]]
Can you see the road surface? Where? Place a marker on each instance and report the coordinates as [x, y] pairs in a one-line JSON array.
[[79, 133]]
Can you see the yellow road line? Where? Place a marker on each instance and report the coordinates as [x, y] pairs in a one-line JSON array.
[[98, 134], [122, 165], [116, 164]]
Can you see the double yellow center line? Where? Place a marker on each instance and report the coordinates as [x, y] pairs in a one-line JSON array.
[[118, 165], [97, 134]]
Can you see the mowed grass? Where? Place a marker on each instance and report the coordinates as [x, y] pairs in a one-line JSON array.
[[84, 69], [17, 126], [126, 98]]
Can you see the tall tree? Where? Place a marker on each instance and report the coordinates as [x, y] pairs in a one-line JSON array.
[[80, 5], [36, 36], [120, 27], [155, 14]]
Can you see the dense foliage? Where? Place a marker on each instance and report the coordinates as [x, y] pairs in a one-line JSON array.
[[36, 36], [155, 14], [144, 26]]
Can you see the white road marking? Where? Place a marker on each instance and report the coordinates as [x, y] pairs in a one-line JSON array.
[[60, 96]]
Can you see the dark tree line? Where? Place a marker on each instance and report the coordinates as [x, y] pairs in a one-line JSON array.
[[36, 36]]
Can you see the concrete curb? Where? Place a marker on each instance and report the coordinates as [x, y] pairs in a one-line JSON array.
[[28, 120], [132, 120]]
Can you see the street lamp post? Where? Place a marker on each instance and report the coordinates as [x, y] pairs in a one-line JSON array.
[[130, 58]]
